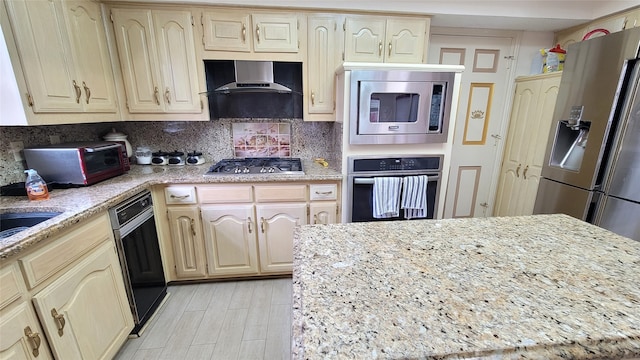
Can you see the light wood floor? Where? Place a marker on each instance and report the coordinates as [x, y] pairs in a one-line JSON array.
[[225, 320]]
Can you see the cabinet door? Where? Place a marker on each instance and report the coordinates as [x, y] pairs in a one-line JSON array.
[[85, 312], [364, 39], [538, 131], [45, 55], [275, 33], [188, 246], [138, 59], [323, 212], [15, 323], [516, 148], [230, 239], [405, 40], [277, 223], [226, 31], [89, 46], [321, 50], [177, 58]]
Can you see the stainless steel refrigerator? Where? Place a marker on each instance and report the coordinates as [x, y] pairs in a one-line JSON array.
[[592, 160]]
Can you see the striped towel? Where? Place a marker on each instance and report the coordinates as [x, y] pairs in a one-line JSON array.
[[414, 196], [386, 197]]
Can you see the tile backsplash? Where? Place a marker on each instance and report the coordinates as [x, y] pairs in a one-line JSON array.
[[213, 138]]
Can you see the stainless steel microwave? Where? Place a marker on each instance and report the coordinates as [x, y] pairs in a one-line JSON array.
[[400, 106], [81, 163]]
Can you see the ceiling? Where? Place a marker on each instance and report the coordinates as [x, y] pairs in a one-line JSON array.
[[539, 15]]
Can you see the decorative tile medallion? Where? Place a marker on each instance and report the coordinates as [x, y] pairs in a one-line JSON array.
[[261, 139]]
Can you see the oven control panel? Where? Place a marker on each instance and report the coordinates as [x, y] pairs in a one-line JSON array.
[[369, 164]]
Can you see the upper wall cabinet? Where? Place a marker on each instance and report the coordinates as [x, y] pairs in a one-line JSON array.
[[64, 56], [157, 55], [381, 39], [613, 23], [323, 44], [237, 31]]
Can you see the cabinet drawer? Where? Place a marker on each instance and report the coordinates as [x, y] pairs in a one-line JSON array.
[[225, 194], [66, 248], [180, 195], [10, 285], [323, 192], [271, 193]]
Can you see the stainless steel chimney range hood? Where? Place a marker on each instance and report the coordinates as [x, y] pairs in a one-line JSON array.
[[253, 76], [254, 89]]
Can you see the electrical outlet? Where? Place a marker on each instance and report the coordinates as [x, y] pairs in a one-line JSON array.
[[15, 148], [54, 139]]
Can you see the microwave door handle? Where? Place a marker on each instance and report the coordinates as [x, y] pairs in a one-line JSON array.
[[93, 149]]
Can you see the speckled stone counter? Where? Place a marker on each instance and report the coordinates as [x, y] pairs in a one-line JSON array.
[[537, 287], [76, 204]]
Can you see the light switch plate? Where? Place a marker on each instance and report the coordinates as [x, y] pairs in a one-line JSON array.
[[15, 148]]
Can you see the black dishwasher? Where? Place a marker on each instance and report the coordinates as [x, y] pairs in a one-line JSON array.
[[139, 252]]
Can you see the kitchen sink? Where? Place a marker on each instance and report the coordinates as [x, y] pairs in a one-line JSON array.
[[14, 222]]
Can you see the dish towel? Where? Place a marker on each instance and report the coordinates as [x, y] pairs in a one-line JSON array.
[[414, 196], [386, 197]]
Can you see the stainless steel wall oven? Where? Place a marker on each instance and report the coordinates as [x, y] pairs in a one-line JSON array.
[[362, 171], [139, 251]]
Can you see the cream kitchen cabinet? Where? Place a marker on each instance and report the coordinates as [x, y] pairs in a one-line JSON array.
[[529, 126], [20, 334], [323, 208], [85, 312], [188, 244], [381, 39], [323, 44], [239, 31], [75, 283], [64, 57], [157, 55], [277, 224]]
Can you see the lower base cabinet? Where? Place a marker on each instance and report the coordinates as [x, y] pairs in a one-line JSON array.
[[242, 229], [20, 334], [85, 313]]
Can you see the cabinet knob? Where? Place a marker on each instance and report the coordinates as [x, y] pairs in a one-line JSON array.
[[258, 33], [313, 98], [518, 170], [244, 33], [167, 96], [262, 224], [193, 227], [34, 339], [524, 173], [389, 48], [380, 48], [249, 221], [87, 91], [78, 91], [59, 320]]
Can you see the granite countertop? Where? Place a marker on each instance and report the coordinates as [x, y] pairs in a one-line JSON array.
[[77, 204], [536, 287]]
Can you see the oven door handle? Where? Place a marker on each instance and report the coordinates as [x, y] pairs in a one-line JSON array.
[[369, 181]]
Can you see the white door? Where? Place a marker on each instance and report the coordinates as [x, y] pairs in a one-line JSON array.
[[477, 148]]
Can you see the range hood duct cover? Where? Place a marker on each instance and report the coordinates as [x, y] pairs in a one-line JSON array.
[[253, 76]]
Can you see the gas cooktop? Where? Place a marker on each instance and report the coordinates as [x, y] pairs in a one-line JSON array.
[[257, 166]]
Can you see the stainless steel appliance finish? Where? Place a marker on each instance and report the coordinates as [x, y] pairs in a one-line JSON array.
[[362, 170], [257, 166], [592, 155], [399, 106], [78, 163], [253, 76], [136, 237]]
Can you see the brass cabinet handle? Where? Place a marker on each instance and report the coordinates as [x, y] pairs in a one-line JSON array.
[[380, 48], [315, 219], [313, 98], [167, 96], [249, 221], [258, 32], [244, 33], [59, 320], [324, 192], [78, 91], [193, 227], [155, 94], [180, 197], [524, 173], [389, 48], [262, 222], [34, 339], [87, 91], [518, 170]]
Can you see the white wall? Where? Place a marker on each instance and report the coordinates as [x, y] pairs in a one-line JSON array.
[[530, 45], [11, 111]]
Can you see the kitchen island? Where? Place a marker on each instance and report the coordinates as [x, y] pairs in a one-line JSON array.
[[536, 287]]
